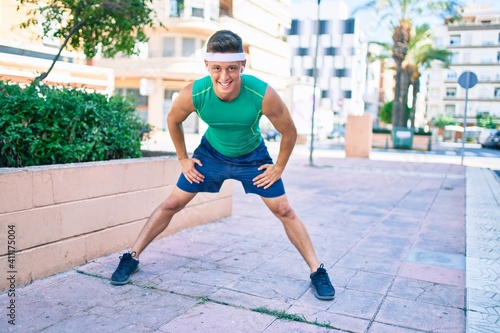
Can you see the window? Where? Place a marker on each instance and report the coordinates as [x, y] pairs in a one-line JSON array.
[[197, 12], [188, 47], [455, 40], [451, 75], [454, 57], [497, 93], [467, 56], [324, 27], [302, 51], [349, 26], [449, 109], [347, 93], [451, 92], [498, 56], [295, 28], [331, 51], [176, 8], [341, 72], [168, 47]]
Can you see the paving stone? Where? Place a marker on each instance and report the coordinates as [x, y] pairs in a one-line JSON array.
[[211, 317], [392, 235], [421, 316]]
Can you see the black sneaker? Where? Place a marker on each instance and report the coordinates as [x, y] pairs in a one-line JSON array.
[[321, 285], [126, 267]]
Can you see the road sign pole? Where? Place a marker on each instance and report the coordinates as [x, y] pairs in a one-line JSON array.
[[466, 80], [465, 115]]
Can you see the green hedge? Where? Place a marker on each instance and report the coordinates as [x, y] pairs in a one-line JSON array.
[[42, 125]]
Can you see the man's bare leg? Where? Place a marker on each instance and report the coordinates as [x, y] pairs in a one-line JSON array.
[[298, 235], [157, 222], [160, 219], [294, 228]]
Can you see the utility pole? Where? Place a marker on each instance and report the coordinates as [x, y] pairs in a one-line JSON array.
[[315, 78]]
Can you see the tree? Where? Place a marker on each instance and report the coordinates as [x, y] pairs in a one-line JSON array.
[[108, 26], [421, 53], [400, 14]]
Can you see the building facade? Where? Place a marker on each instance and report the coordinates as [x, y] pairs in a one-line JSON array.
[[174, 55], [475, 46], [341, 64], [25, 53]]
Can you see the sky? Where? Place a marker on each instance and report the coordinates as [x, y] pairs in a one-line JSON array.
[[370, 20], [496, 4]]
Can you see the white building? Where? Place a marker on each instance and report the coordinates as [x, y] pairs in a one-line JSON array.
[[26, 53], [475, 43], [341, 63], [174, 56]]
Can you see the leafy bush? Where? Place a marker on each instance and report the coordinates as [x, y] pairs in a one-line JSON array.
[[51, 125], [385, 112], [486, 121], [443, 120]]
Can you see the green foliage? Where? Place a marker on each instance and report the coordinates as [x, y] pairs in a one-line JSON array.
[[486, 121], [42, 125], [109, 26], [443, 120], [385, 113]]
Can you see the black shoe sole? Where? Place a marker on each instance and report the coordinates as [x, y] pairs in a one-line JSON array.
[[323, 298], [121, 283]]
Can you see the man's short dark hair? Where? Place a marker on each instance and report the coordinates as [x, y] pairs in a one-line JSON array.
[[225, 41]]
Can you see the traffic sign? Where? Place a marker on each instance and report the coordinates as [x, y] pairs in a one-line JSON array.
[[467, 80]]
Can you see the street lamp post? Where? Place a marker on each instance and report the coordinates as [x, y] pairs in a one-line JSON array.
[[315, 78]]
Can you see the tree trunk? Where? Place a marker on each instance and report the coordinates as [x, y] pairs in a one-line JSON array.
[[401, 38], [416, 90], [396, 106], [406, 77], [73, 30]]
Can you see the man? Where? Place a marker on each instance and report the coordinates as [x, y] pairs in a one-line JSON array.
[[232, 147]]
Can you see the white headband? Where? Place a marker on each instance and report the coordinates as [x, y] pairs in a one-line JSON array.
[[225, 57]]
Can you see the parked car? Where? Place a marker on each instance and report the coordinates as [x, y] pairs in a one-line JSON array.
[[338, 132], [272, 135], [492, 141]]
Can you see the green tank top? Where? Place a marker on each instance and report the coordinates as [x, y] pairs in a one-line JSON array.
[[233, 127]]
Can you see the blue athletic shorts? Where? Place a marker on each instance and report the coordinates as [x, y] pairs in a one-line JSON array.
[[217, 168]]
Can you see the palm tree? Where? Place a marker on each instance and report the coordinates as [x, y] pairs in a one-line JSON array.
[[400, 15], [421, 54]]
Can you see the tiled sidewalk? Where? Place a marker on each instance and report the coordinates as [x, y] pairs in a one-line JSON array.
[[392, 235], [483, 251]]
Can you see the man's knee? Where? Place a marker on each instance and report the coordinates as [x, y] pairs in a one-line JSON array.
[[172, 204], [284, 210]]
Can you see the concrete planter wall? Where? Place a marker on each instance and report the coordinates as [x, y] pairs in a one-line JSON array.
[[64, 215], [358, 139], [420, 142]]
